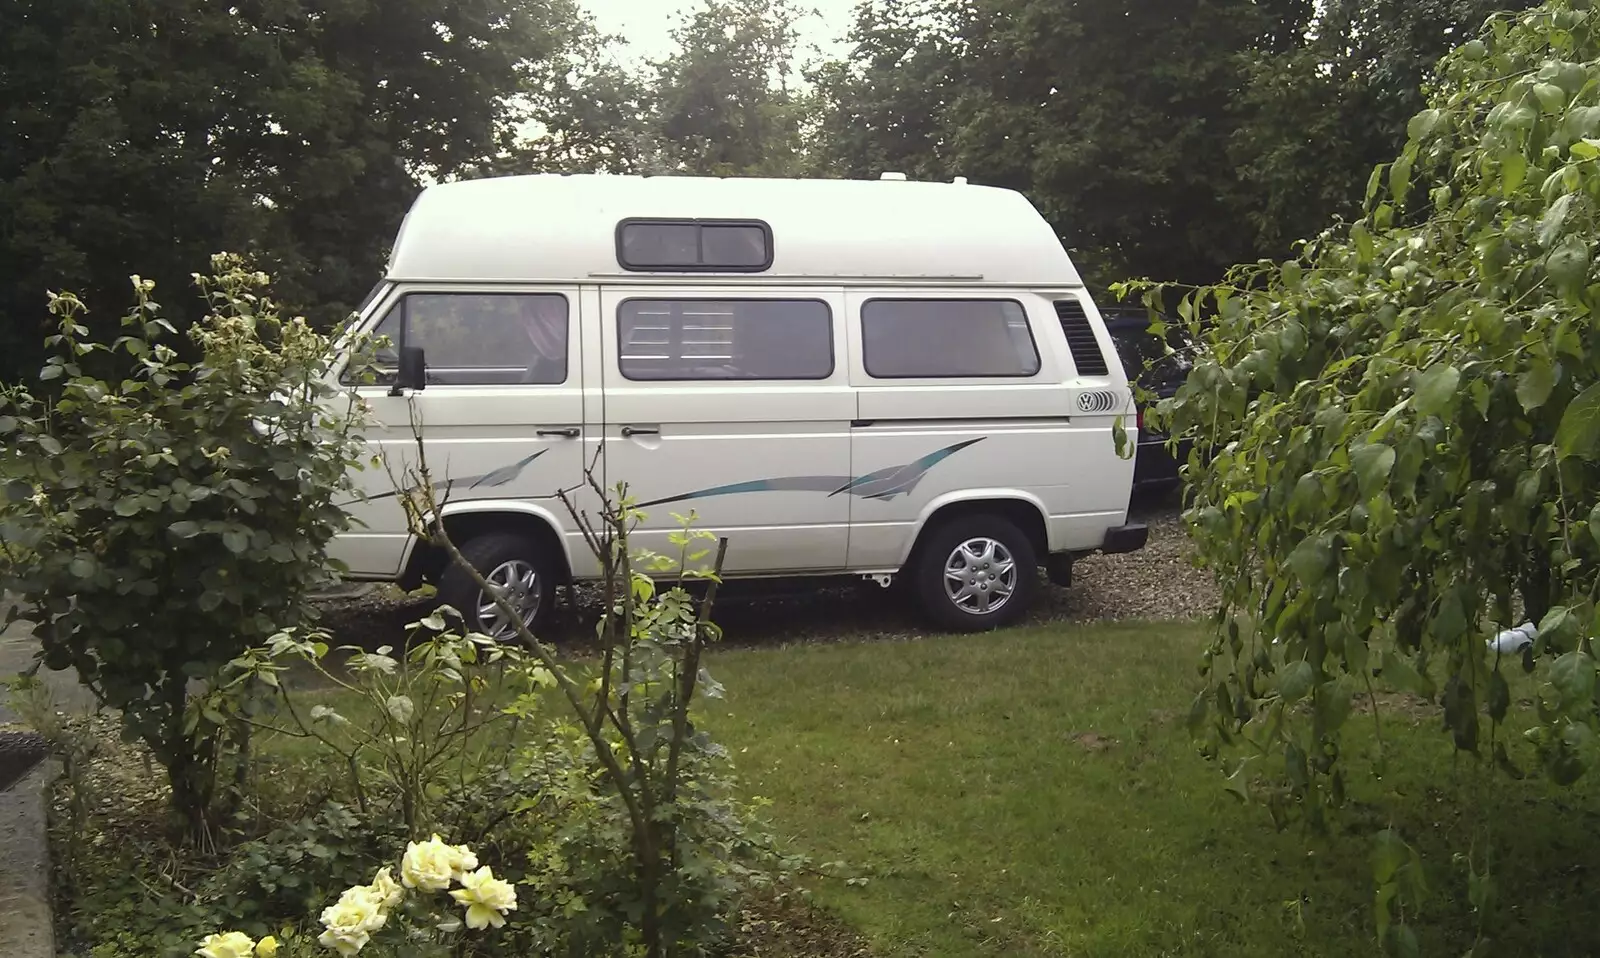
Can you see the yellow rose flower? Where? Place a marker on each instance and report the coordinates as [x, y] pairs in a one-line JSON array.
[[462, 861], [429, 865], [388, 891], [487, 898], [267, 947], [351, 922], [229, 944]]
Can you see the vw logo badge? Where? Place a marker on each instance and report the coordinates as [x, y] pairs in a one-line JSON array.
[[1096, 402]]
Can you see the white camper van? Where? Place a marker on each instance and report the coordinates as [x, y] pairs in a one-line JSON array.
[[883, 379]]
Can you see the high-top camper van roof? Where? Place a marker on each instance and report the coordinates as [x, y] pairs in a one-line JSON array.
[[550, 227]]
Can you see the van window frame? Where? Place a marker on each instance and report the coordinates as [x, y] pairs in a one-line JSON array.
[[402, 304], [833, 343], [1033, 341], [698, 224]]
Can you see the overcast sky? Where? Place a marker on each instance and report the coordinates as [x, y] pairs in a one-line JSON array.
[[647, 24]]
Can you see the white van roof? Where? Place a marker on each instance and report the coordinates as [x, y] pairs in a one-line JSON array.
[[553, 227]]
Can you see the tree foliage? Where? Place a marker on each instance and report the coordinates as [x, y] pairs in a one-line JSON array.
[[1400, 438], [1168, 139], [723, 104], [156, 525], [1329, 97], [295, 130]]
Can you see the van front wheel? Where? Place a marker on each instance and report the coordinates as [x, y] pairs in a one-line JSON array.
[[975, 574], [516, 569]]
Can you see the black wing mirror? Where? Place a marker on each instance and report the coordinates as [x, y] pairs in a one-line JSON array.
[[413, 372]]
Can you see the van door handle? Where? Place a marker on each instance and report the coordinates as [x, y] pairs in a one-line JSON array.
[[640, 431], [569, 432]]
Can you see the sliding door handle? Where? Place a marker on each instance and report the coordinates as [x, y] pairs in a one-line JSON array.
[[568, 432], [640, 431]]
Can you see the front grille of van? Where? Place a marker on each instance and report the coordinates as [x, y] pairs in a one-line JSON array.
[[1085, 348]]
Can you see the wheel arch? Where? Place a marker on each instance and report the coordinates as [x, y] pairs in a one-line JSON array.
[[467, 520], [1024, 511]]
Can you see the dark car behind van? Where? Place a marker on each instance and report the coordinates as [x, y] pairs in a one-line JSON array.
[[1157, 374]]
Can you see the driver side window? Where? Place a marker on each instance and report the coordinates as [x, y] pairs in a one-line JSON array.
[[480, 339]]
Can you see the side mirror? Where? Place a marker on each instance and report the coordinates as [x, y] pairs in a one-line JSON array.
[[413, 372]]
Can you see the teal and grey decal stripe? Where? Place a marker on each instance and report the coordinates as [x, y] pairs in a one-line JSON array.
[[496, 477], [885, 484]]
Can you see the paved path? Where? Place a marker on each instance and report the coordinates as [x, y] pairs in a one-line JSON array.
[[17, 648]]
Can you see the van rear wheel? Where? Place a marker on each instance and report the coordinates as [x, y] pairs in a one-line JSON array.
[[976, 573], [516, 568]]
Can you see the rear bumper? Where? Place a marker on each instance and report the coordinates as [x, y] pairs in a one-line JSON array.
[[1128, 538]]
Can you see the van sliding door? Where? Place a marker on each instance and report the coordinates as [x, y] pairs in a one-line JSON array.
[[730, 402]]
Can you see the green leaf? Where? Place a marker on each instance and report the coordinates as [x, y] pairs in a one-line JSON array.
[[1435, 388], [185, 528], [1513, 171], [1423, 124], [1374, 183], [1536, 383], [1400, 175], [1310, 560], [1372, 464], [1554, 218], [127, 506], [1498, 697], [1579, 432], [1568, 265], [82, 566], [1362, 237], [1400, 673], [1572, 676], [400, 708], [1551, 97], [1297, 681], [1389, 854], [49, 445], [236, 541]]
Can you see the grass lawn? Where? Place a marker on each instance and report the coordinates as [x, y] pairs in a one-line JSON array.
[[1035, 793]]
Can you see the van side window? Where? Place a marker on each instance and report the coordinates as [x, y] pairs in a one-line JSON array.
[[682, 339], [947, 338], [480, 339], [694, 246]]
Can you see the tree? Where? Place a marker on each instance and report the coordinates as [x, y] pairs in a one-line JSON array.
[[722, 102], [582, 111], [1328, 102], [884, 108], [155, 524], [297, 130], [1404, 434], [1167, 139]]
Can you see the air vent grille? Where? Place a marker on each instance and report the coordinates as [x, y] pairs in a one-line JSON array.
[[1085, 348]]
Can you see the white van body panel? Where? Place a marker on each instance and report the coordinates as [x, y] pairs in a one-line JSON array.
[[816, 462], [520, 229]]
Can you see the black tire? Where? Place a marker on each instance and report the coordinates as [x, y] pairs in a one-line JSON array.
[[488, 554], [938, 549]]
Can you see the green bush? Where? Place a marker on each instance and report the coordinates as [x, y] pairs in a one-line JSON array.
[[1398, 447], [164, 513]]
